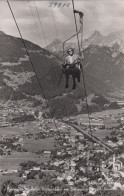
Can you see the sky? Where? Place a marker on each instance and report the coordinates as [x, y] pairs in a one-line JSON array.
[[58, 22]]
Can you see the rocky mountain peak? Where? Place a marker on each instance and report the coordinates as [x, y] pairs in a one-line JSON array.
[[116, 46], [2, 33], [56, 41], [96, 34]]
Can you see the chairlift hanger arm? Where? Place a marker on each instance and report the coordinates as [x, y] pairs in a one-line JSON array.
[[80, 30], [70, 38]]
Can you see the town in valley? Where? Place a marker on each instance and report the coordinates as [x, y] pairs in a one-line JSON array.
[[51, 155]]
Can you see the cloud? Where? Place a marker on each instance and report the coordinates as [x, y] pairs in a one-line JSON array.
[[60, 17], [104, 15]]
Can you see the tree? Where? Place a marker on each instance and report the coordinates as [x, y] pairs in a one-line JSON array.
[[41, 175], [77, 137], [28, 165], [114, 105], [65, 181], [32, 174], [4, 189], [6, 186], [1, 152]]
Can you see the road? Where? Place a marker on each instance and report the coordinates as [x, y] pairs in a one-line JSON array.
[[94, 138]]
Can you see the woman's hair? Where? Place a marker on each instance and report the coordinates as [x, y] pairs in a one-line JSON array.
[[70, 49]]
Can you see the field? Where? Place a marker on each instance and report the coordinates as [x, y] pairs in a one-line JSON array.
[[107, 112], [12, 161], [22, 128], [84, 117], [9, 131], [102, 133], [38, 145]]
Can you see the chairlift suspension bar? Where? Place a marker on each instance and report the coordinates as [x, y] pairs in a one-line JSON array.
[[77, 32], [81, 28], [74, 11]]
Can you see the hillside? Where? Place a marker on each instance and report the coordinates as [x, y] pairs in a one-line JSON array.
[[18, 80], [16, 71], [105, 64]]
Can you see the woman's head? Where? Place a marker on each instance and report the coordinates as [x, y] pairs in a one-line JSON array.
[[70, 51]]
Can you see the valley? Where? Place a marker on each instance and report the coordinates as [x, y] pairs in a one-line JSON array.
[[48, 143], [55, 152]]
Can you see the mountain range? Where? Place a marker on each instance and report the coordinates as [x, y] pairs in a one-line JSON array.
[[103, 70], [114, 40], [105, 64]]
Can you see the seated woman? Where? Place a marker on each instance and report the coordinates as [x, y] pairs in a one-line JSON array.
[[72, 66]]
